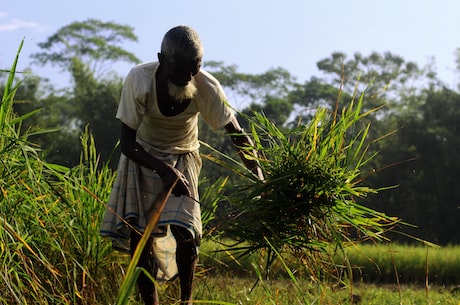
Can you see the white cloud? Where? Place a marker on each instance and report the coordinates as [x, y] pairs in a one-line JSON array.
[[14, 24]]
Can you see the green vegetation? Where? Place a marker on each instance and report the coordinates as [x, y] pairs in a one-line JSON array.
[[372, 263], [306, 207], [239, 291], [410, 264], [51, 251]]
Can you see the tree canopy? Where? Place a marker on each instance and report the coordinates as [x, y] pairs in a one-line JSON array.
[[92, 42]]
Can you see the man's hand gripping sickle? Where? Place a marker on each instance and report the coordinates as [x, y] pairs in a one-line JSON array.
[[170, 175]]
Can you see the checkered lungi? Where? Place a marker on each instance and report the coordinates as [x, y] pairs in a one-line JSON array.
[[131, 204]]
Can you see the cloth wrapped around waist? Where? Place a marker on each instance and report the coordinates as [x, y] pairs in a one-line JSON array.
[[131, 203]]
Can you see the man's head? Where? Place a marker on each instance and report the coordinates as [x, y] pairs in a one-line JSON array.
[[180, 60], [182, 43]]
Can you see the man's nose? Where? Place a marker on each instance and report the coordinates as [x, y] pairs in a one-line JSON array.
[[184, 78], [188, 76]]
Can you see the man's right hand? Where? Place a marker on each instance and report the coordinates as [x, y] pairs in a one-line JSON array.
[[133, 150], [169, 176]]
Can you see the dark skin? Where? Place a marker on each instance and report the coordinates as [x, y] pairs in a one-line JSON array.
[[180, 73]]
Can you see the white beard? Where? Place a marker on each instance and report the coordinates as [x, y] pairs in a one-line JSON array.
[[182, 93]]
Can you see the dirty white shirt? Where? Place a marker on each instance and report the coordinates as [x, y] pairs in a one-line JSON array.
[[178, 134]]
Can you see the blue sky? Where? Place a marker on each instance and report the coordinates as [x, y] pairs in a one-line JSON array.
[[255, 35]]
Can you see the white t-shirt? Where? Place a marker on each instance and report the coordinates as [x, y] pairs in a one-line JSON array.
[[177, 134]]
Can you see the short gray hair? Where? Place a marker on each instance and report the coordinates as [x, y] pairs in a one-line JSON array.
[[181, 42]]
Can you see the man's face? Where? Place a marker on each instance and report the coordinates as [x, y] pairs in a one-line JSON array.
[[180, 72]]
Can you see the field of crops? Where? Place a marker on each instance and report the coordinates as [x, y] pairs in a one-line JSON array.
[[51, 251], [239, 291], [382, 274]]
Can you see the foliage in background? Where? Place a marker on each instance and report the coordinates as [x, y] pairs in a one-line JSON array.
[[93, 43], [424, 150]]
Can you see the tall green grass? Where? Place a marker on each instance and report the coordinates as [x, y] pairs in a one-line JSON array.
[[50, 247], [21, 187], [51, 251]]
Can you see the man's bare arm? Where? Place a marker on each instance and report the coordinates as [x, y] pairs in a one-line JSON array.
[[241, 139]]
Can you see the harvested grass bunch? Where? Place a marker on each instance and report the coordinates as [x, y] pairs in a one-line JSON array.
[[312, 180]]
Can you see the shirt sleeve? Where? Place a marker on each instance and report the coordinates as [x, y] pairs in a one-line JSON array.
[[213, 106], [133, 101]]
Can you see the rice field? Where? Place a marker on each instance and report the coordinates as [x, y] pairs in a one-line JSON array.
[[51, 251]]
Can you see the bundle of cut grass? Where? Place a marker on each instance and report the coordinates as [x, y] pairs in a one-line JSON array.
[[308, 200]]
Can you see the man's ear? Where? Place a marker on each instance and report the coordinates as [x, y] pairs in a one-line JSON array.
[[160, 57]]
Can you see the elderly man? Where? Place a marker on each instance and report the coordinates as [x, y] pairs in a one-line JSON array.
[[158, 110]]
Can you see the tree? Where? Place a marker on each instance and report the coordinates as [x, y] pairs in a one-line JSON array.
[[425, 162], [385, 79], [382, 70], [96, 104], [274, 84], [94, 43], [86, 50]]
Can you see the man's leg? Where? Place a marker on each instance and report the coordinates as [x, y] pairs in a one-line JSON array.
[[186, 258], [147, 288]]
